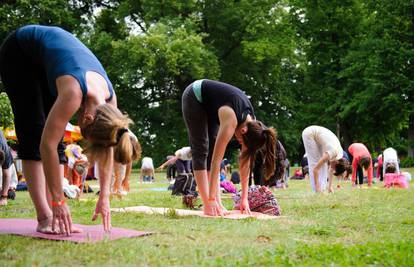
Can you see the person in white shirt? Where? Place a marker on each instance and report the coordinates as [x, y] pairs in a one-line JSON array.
[[390, 161], [147, 170], [182, 159], [325, 156]]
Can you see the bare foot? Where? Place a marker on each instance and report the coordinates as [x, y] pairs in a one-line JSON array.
[[45, 226]]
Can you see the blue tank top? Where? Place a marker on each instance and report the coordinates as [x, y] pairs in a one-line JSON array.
[[60, 53]]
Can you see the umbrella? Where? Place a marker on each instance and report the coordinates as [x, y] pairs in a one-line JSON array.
[[10, 134], [72, 133]]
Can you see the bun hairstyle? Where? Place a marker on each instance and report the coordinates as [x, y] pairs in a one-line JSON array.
[[260, 138], [110, 129]]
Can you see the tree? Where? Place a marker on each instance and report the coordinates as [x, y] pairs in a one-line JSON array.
[[6, 114]]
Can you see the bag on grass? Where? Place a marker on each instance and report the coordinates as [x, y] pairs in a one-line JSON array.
[[184, 185], [228, 187], [260, 199]]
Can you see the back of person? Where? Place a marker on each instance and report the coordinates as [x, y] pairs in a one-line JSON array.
[[217, 94], [60, 53], [147, 163], [390, 157]]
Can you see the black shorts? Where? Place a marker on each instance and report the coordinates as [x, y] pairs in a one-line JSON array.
[[27, 88], [202, 132]]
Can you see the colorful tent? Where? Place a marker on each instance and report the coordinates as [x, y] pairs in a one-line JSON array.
[[72, 133], [10, 134]]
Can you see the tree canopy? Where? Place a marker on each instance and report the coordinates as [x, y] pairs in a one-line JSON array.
[[346, 65]]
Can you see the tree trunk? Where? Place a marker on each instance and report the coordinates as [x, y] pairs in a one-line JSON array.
[[410, 147]]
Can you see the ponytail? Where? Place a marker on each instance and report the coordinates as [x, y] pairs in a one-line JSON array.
[[259, 137], [127, 148], [270, 151], [110, 129]]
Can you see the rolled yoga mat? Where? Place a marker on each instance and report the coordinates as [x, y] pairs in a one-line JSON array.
[[234, 214]]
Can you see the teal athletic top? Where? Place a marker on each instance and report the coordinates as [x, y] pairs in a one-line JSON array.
[[60, 53]]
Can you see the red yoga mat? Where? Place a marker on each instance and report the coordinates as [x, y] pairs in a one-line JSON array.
[[91, 233]]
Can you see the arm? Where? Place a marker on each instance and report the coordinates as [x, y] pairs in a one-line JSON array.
[[323, 160], [67, 103], [330, 179], [168, 162], [228, 124], [244, 177], [105, 167], [354, 169], [370, 172]]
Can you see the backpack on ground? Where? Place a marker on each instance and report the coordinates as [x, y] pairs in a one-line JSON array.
[[184, 184]]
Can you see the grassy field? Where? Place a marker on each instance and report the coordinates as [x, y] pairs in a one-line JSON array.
[[350, 227]]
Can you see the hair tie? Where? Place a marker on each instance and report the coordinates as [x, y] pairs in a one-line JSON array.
[[119, 134]]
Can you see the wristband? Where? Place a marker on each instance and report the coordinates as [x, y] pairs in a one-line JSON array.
[[59, 203], [211, 199]]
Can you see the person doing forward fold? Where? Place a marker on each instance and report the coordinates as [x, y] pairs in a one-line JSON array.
[[49, 75], [361, 160], [214, 112], [325, 156]]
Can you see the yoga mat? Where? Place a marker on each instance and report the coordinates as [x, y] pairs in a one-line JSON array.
[[91, 233], [159, 189], [234, 214]]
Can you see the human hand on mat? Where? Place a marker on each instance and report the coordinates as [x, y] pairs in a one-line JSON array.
[[62, 219], [102, 207], [244, 207]]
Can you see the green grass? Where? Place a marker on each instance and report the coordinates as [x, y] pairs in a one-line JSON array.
[[350, 227]]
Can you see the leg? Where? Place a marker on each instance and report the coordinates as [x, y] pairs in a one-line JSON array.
[[6, 179], [313, 154], [360, 174], [36, 183], [196, 121]]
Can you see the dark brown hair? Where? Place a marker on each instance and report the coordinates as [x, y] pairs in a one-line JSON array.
[[364, 162], [390, 168], [341, 166], [110, 129], [259, 137]]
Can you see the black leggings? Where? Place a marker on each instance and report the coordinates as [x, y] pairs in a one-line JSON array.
[[27, 88], [359, 176], [202, 132]]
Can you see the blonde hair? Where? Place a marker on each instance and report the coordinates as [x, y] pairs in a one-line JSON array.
[[110, 129]]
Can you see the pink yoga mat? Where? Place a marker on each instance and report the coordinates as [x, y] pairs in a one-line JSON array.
[[91, 233]]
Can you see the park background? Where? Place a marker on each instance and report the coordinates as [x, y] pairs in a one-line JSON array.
[[346, 65]]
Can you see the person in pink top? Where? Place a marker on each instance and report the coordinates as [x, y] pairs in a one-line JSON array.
[[361, 159]]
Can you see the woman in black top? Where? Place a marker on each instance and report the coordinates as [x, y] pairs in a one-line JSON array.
[[214, 112]]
